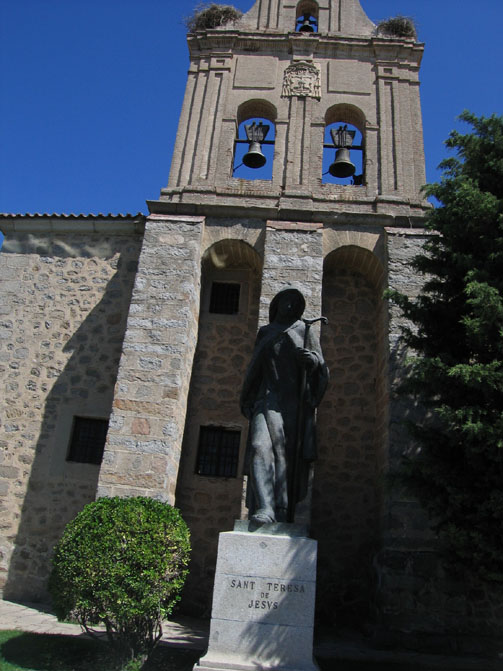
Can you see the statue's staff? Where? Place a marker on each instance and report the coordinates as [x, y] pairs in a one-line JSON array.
[[294, 483]]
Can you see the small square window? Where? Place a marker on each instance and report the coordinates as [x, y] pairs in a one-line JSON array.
[[224, 298], [218, 452], [88, 440]]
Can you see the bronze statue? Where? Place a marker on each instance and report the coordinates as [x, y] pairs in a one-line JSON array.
[[284, 383]]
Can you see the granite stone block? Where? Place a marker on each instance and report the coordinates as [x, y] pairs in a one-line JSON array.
[[263, 603]]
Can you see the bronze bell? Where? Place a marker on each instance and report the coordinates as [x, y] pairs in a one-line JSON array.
[[256, 134], [306, 26], [342, 166], [254, 158]]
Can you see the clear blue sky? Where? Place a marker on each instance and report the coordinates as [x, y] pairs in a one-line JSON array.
[[91, 90]]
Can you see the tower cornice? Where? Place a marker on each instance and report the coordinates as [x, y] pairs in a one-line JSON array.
[[320, 46]]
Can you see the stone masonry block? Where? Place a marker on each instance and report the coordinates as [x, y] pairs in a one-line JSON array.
[[160, 341]]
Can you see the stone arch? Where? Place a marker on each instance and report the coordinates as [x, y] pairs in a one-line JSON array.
[[352, 244], [230, 253], [346, 113], [210, 504], [352, 421], [361, 260], [256, 107]]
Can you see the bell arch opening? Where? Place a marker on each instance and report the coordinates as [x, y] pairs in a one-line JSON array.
[[210, 480], [344, 146], [307, 16], [352, 434], [255, 139]]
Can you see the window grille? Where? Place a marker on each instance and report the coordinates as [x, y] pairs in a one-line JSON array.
[[224, 298], [88, 440], [218, 452]]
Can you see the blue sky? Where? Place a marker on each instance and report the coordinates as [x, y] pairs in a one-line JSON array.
[[91, 90]]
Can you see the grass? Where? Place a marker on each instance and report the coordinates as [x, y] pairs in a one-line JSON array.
[[20, 651]]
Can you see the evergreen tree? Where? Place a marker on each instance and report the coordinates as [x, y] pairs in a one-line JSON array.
[[456, 333]]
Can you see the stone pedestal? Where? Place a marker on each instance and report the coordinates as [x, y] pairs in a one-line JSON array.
[[263, 600]]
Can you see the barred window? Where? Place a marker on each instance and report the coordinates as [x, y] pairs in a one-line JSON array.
[[224, 298], [88, 440], [218, 452]]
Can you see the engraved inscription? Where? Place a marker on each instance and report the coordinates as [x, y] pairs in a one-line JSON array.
[[266, 594], [242, 584], [264, 605], [289, 587]]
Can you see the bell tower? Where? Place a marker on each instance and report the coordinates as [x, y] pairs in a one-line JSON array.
[[302, 68], [298, 160]]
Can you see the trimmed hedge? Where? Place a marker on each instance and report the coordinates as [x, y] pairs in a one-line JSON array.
[[121, 562]]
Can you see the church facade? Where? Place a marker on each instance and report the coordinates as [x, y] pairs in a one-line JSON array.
[[124, 340]]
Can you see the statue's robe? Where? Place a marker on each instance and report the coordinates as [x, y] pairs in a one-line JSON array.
[[273, 387]]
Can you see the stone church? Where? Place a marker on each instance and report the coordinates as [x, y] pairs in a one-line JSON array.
[[124, 339]]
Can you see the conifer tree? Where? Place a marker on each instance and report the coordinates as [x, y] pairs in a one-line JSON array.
[[456, 333]]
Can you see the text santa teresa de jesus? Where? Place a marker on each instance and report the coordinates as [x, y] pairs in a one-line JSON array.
[[269, 592]]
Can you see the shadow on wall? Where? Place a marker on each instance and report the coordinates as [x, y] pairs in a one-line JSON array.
[[211, 500], [348, 480], [70, 318]]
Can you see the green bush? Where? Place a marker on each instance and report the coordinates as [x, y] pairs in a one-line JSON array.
[[206, 17], [121, 563]]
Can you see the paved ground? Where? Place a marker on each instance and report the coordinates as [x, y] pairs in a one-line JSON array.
[[30, 617], [192, 633]]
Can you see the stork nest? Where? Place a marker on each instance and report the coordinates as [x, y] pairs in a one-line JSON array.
[[206, 17], [398, 26]]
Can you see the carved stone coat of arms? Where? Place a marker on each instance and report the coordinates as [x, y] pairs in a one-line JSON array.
[[302, 79]]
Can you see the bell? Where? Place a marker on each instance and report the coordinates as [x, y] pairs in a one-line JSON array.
[[306, 26], [342, 166], [254, 158]]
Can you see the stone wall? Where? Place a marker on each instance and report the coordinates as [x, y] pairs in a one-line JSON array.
[[347, 485], [66, 289], [145, 436], [293, 254], [65, 292]]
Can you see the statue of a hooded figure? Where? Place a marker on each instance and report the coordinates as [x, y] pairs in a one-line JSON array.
[[284, 383]]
